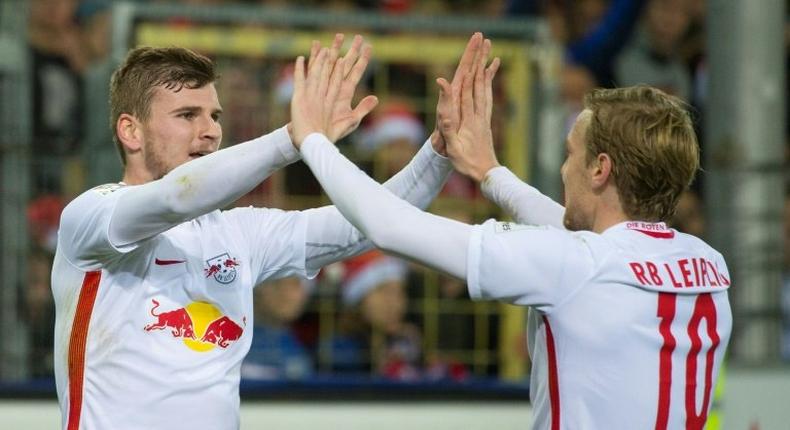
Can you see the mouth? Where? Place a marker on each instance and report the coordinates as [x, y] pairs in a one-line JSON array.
[[196, 155]]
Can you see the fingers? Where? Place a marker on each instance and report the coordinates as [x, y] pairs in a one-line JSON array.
[[329, 64], [359, 68], [467, 98], [479, 82], [490, 73], [315, 73], [449, 134], [365, 106], [299, 75], [335, 82], [352, 55], [446, 107], [315, 47], [445, 90], [338, 42], [467, 59]]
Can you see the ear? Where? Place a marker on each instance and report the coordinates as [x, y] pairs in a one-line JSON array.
[[130, 132], [601, 170]]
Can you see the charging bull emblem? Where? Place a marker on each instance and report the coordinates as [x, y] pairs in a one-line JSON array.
[[222, 268]]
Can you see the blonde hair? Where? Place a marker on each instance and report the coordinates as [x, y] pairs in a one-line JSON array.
[[650, 139], [133, 82]]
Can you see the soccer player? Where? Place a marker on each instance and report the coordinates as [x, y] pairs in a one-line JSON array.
[[629, 319], [153, 281]]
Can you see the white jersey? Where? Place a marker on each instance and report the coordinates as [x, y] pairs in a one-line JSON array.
[[164, 324], [628, 328], [151, 334]]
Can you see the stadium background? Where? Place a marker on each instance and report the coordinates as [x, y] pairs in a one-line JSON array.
[[728, 61]]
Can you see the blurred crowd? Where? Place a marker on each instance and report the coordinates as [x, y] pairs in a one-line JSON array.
[[374, 325]]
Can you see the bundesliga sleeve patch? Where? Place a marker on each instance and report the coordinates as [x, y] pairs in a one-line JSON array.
[[507, 227], [106, 188]]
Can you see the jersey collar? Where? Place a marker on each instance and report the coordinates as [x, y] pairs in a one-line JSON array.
[[658, 230]]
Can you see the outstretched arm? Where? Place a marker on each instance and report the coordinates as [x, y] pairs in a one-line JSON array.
[[389, 222], [520, 200], [198, 187], [470, 146], [329, 235]]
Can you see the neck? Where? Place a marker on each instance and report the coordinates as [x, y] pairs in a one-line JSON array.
[[605, 220], [609, 211], [131, 179], [135, 176]]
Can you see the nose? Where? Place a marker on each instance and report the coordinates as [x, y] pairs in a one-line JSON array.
[[210, 129]]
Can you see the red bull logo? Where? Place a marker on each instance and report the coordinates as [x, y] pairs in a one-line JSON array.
[[222, 268], [177, 320], [222, 331], [200, 325]]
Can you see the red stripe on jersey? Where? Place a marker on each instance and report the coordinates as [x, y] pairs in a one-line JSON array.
[[79, 337], [554, 386], [658, 234]]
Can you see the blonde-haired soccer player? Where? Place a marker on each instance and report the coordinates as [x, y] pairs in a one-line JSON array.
[[630, 319]]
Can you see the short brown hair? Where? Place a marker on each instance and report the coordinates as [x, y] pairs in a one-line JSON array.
[[145, 68], [651, 140]]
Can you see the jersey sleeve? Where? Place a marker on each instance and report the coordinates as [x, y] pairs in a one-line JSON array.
[[199, 186], [275, 240], [330, 237], [538, 266], [390, 223], [84, 233], [523, 202]]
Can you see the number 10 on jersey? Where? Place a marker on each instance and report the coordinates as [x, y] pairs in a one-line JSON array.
[[704, 308]]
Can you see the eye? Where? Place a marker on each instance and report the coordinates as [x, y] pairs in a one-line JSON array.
[[187, 115], [215, 117]]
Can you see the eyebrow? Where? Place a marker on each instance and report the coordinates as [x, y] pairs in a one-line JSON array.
[[195, 109]]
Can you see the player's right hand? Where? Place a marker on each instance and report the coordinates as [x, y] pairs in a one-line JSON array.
[[450, 107], [321, 101], [468, 136]]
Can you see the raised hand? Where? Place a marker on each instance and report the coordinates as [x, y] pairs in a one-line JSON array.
[[467, 133], [322, 94], [344, 118], [450, 107]]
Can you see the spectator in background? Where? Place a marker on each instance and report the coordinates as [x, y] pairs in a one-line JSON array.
[[58, 60], [689, 215], [597, 33], [39, 313], [692, 50], [276, 352], [94, 16], [43, 216], [653, 57], [392, 137], [575, 82], [373, 336], [592, 31]]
